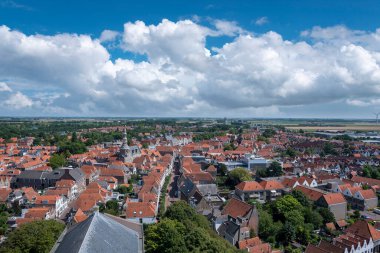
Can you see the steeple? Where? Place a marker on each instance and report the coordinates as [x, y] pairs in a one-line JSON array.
[[124, 145], [125, 139]]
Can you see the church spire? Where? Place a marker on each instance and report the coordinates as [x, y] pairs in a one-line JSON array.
[[125, 138]]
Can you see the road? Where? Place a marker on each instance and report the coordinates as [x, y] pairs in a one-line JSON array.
[[173, 188]]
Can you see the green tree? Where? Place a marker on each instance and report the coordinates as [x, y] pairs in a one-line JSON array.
[[329, 149], [326, 214], [269, 133], [286, 204], [223, 169], [295, 217], [183, 230], [290, 152], [124, 189], [287, 234], [166, 236], [301, 198], [111, 207], [356, 214], [36, 236], [57, 161], [313, 217], [74, 137], [3, 222], [183, 212], [274, 170], [238, 175], [303, 234], [267, 228]]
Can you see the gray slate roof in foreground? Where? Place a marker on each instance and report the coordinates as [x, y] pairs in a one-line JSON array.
[[97, 234]]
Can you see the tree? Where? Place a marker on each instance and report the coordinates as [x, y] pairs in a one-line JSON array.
[[301, 198], [74, 137], [285, 205], [326, 214], [3, 222], [183, 212], [183, 230], [166, 236], [356, 214], [72, 147], [287, 234], [269, 133], [223, 169], [303, 234], [274, 170], [36, 236], [290, 152], [267, 228], [124, 189], [111, 207], [238, 175], [313, 217], [329, 149], [295, 218], [57, 161]]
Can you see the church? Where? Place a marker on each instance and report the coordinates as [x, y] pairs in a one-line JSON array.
[[128, 153]]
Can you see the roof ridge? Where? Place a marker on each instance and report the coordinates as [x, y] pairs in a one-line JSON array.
[[85, 238]]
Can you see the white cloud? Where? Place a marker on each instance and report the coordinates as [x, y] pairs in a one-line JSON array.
[[4, 87], [108, 36], [18, 101], [228, 28], [261, 21], [250, 75]]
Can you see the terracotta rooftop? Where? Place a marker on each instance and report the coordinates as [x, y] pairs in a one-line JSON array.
[[249, 186], [310, 193], [236, 208], [334, 198], [80, 216], [140, 210], [271, 185]]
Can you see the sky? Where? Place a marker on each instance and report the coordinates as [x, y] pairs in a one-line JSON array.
[[282, 59]]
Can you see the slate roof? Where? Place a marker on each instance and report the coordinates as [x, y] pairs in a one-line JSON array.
[[97, 234], [208, 188]]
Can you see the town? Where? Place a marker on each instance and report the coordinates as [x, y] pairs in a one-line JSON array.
[[213, 185]]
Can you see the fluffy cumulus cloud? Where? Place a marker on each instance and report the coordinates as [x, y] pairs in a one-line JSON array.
[[249, 75]]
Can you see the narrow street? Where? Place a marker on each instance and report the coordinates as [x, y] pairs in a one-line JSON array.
[[173, 187]]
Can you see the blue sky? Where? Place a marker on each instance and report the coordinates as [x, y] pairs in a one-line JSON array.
[[345, 28], [92, 17]]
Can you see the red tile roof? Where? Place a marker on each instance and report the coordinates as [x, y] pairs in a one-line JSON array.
[[368, 194], [79, 216], [249, 242], [140, 210], [334, 198], [236, 208], [249, 186], [271, 185], [310, 193]]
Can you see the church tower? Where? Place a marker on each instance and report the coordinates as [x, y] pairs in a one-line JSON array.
[[124, 149]]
